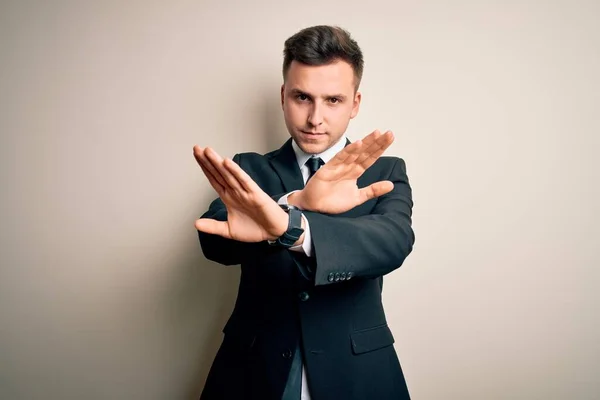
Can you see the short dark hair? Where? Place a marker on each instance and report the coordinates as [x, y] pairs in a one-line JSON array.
[[321, 45]]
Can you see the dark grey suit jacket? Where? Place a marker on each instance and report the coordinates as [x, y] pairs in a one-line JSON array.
[[330, 302]]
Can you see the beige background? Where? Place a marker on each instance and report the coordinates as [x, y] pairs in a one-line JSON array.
[[104, 293]]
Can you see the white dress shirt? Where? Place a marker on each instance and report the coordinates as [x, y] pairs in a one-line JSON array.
[[306, 246]]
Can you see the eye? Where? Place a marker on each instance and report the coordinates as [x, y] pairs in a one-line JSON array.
[[334, 100], [302, 97]]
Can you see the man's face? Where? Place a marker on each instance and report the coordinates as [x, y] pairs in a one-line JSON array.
[[318, 103]]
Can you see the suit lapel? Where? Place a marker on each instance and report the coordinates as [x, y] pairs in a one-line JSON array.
[[284, 163]]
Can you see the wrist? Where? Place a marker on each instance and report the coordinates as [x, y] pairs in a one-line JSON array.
[[295, 199], [294, 230], [282, 225]]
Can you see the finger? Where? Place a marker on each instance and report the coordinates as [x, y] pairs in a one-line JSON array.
[[371, 154], [213, 227], [375, 190], [217, 162], [242, 177], [385, 142], [213, 181], [354, 153], [341, 156], [208, 165], [348, 155], [206, 169], [382, 142], [371, 137], [197, 150]]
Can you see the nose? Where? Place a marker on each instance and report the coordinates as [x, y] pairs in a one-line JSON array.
[[315, 118]]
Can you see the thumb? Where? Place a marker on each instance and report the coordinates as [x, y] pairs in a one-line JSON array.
[[213, 227], [375, 190]]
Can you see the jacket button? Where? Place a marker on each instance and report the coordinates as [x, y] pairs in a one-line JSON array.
[[304, 296], [349, 275], [330, 277], [343, 276], [337, 276], [287, 354]]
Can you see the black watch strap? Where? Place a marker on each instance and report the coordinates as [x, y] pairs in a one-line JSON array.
[[294, 230]]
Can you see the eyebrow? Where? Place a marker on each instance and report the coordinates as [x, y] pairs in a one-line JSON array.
[[328, 96]]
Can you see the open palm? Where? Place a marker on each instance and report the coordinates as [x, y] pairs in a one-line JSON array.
[[252, 216], [333, 189]]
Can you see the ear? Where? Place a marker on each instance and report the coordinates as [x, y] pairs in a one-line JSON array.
[[356, 105], [282, 94]]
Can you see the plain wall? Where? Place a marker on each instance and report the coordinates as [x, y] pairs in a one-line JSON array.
[[104, 292]]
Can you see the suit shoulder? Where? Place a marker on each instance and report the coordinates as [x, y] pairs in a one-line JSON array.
[[389, 163], [390, 160], [255, 158], [253, 163], [251, 157]]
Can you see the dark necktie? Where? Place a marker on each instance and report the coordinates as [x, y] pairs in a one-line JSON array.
[[313, 164], [293, 387]]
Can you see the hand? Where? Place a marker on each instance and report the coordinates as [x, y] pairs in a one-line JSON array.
[[252, 216], [333, 188]]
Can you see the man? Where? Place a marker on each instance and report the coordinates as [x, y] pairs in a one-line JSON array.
[[313, 243]]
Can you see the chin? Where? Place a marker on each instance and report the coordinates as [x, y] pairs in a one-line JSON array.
[[312, 148], [311, 145]]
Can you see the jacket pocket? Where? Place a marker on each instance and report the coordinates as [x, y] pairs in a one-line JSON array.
[[375, 338]]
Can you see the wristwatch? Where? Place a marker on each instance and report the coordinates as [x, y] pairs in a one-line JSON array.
[[294, 230]]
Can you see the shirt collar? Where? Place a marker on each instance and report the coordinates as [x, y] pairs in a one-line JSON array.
[[302, 157]]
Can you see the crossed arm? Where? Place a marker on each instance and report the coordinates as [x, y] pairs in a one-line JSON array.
[[245, 217]]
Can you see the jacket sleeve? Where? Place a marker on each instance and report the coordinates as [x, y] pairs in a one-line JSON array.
[[227, 251], [368, 246]]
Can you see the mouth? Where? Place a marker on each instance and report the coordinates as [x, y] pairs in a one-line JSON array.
[[313, 133]]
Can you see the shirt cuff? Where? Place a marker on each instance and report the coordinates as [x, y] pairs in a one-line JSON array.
[[284, 199], [306, 246]]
